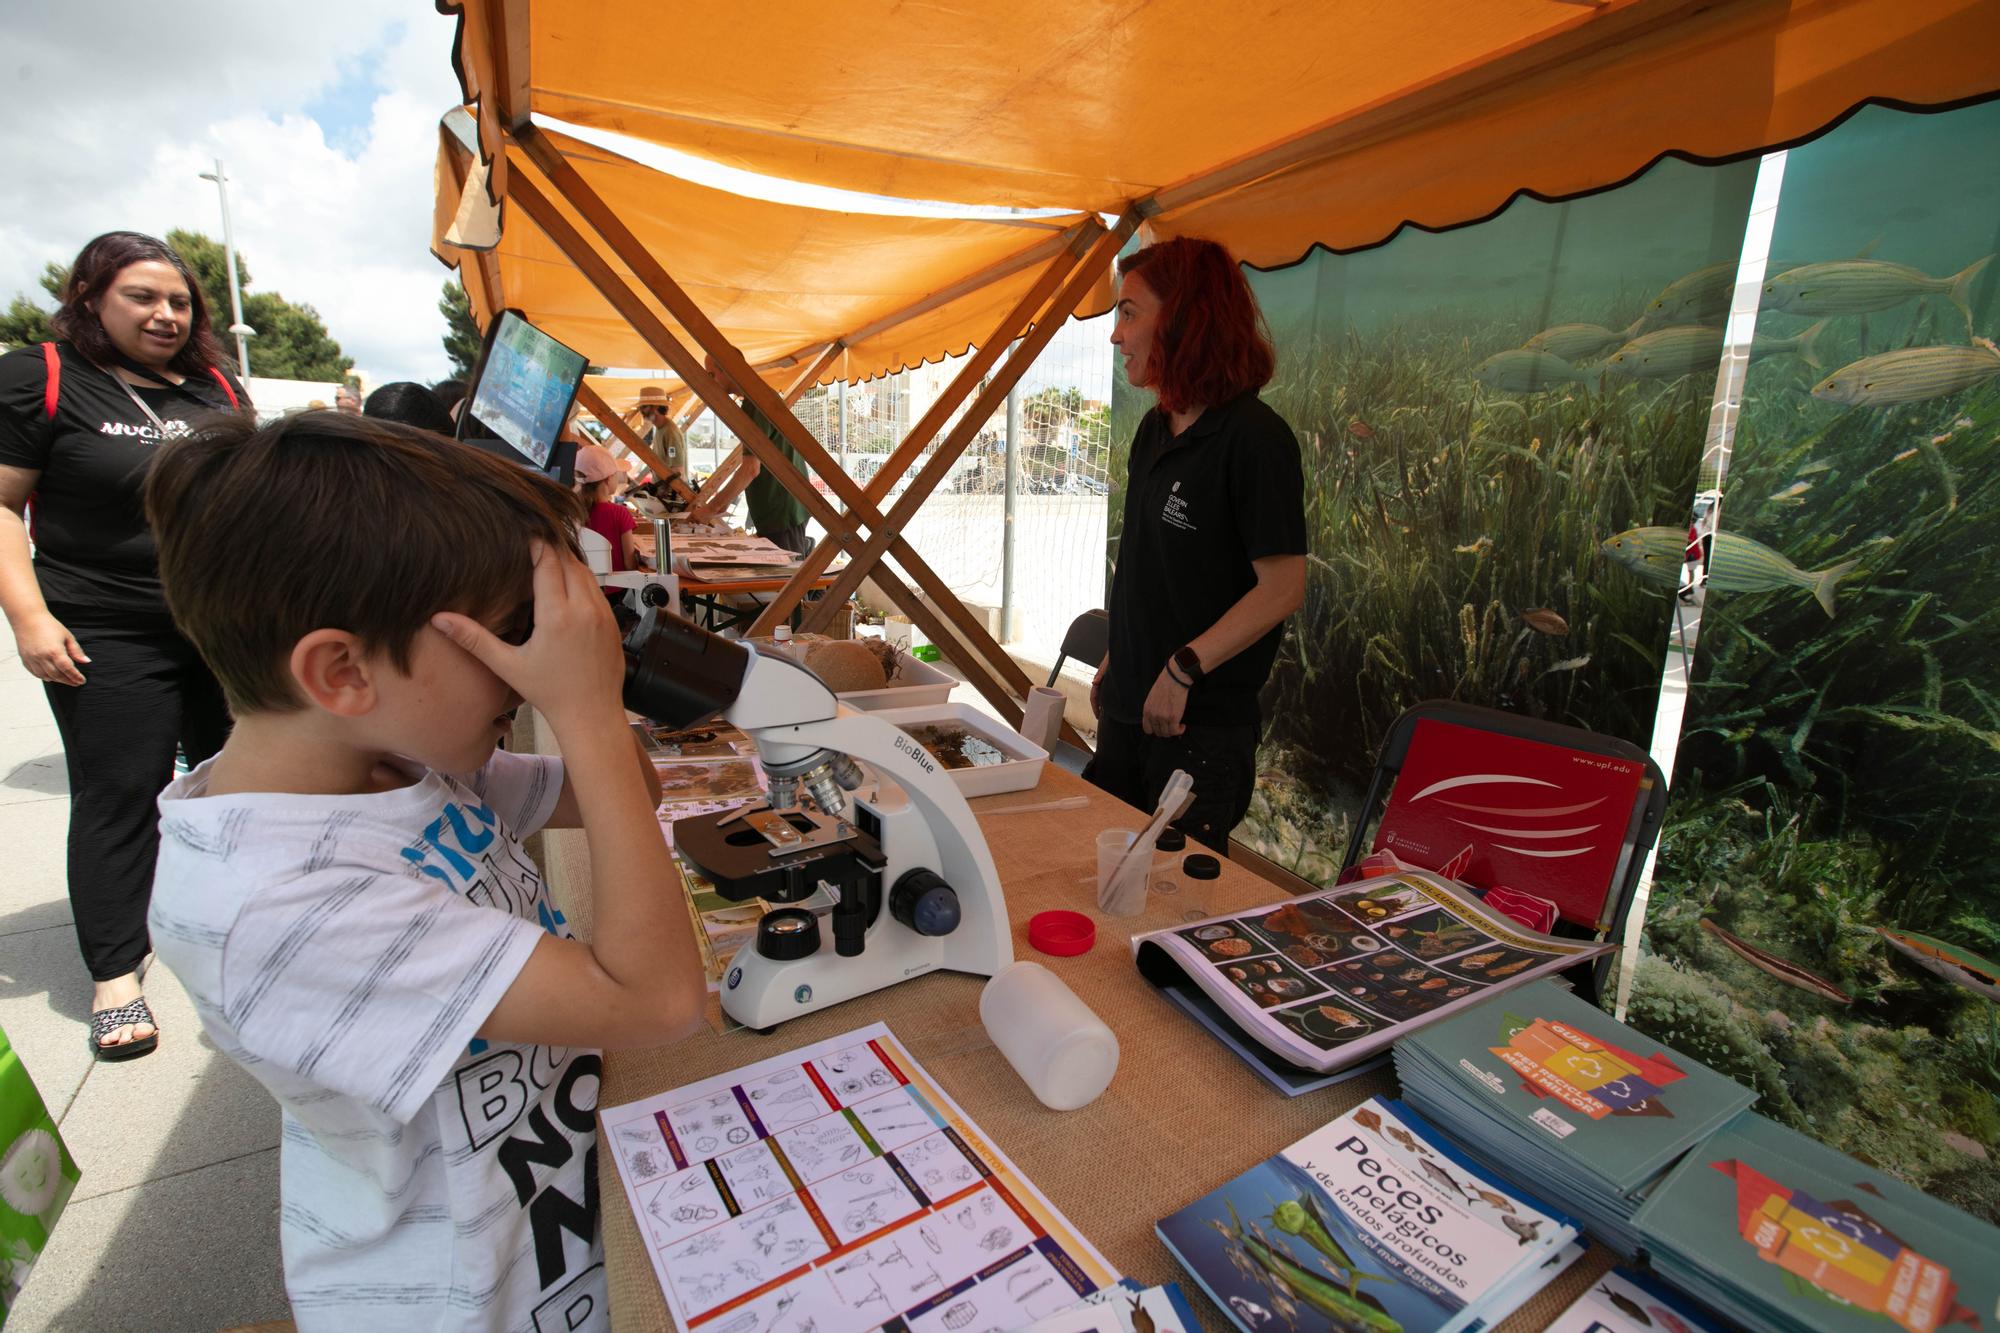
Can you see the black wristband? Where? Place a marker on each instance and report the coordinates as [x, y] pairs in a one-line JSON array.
[[1184, 684]]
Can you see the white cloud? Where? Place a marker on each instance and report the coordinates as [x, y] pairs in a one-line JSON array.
[[113, 124]]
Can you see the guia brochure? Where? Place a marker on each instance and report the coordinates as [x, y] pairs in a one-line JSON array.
[[1331, 979]]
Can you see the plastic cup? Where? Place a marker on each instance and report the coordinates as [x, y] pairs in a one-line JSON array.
[[1059, 1047], [1042, 718], [1127, 896]]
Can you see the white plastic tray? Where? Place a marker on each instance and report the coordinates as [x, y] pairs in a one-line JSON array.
[[1022, 768]]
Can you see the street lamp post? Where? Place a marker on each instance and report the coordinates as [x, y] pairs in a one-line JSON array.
[[242, 331]]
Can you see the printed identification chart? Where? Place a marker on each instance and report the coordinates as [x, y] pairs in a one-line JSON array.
[[838, 1188]]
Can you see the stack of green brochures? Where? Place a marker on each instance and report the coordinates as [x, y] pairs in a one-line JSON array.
[[1374, 1223], [1782, 1234], [1565, 1101], [1627, 1302]]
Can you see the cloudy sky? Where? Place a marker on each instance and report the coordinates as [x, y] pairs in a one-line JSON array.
[[327, 117]]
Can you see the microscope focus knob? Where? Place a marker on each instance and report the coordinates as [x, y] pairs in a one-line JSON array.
[[926, 904]]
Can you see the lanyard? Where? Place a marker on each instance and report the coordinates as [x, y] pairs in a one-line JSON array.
[[142, 405]]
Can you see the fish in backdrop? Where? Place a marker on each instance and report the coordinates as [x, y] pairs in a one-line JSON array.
[[1696, 296], [1669, 353], [1909, 376], [1737, 564], [1574, 342], [1526, 371], [1859, 286]]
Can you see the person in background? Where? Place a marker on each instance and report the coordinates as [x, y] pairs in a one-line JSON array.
[[776, 514], [347, 398], [343, 889], [410, 404], [1211, 559], [598, 479], [663, 434], [134, 365], [451, 396]]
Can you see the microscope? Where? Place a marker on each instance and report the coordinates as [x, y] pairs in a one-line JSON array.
[[912, 882]]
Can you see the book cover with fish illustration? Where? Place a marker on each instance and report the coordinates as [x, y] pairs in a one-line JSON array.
[[1624, 1301], [1489, 809], [1328, 981], [1574, 1082], [1779, 1231], [1374, 1222]]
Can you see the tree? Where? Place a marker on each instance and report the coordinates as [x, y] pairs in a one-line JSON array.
[[25, 323], [292, 342], [462, 339], [1046, 411]]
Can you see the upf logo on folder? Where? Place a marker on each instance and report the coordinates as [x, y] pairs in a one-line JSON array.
[[1490, 809]]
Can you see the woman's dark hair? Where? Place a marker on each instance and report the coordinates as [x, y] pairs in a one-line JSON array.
[[449, 392], [412, 405], [97, 266], [1213, 344]]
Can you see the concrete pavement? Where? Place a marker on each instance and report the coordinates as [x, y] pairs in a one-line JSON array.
[[174, 1225]]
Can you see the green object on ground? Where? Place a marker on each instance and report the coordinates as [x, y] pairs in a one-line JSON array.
[[927, 652], [37, 1175]]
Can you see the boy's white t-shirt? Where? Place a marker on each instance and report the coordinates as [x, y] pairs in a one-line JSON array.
[[345, 950]]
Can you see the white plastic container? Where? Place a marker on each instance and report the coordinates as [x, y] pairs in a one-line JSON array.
[[1020, 771], [1059, 1047]]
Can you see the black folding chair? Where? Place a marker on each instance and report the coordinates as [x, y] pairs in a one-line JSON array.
[[1089, 635], [1442, 723]]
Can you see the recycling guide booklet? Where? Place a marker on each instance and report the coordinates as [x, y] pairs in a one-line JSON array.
[[1373, 1222], [1783, 1232], [1575, 1083]]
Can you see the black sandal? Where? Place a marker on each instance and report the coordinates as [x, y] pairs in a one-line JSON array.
[[104, 1022]]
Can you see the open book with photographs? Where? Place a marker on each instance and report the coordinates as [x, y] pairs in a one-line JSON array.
[[1331, 979]]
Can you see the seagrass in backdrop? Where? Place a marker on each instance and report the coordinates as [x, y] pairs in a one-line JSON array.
[[1478, 410], [1828, 892]]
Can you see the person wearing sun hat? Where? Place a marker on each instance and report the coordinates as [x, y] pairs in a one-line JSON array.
[[668, 442]]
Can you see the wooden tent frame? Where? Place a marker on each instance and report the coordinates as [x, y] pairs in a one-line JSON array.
[[943, 617], [1076, 257]]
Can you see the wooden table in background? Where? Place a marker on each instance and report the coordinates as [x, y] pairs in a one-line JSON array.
[[1182, 1116]]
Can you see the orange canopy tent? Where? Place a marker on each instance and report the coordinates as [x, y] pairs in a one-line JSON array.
[[1304, 122]]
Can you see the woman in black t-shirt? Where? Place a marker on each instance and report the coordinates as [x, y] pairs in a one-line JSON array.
[[1211, 558], [80, 418]]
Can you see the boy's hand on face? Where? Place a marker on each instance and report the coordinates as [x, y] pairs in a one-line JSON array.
[[571, 668]]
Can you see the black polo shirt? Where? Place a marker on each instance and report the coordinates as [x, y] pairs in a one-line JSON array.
[[1199, 507]]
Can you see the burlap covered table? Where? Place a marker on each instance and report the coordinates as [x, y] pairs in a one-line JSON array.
[[1182, 1116]]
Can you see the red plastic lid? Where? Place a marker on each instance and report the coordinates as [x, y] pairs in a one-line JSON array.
[[1062, 934]]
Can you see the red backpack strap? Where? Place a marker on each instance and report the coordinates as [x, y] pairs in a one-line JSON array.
[[52, 390], [228, 392]]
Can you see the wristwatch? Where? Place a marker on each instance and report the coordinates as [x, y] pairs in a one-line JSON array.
[[1189, 664]]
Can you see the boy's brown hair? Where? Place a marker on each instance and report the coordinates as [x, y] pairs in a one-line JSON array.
[[326, 520]]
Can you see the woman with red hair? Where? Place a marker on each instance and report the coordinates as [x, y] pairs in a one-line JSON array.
[[1211, 560]]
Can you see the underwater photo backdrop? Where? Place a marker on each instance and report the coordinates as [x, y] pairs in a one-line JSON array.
[[1825, 908], [1502, 428], [1477, 412]]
